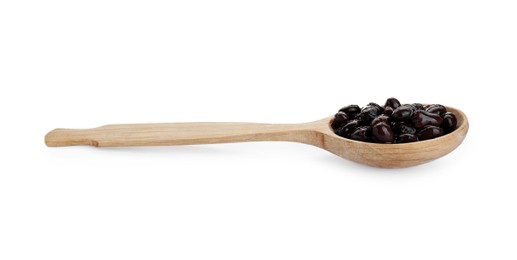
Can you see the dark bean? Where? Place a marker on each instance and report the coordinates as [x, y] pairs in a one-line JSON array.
[[382, 132], [367, 114], [340, 119], [351, 110], [402, 113], [392, 102], [417, 106], [393, 123], [449, 122], [345, 130], [361, 133], [406, 138], [388, 111], [400, 128], [436, 109], [373, 104], [429, 132], [380, 118], [423, 118]]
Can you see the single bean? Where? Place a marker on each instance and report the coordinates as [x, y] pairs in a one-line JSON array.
[[361, 133], [423, 118], [430, 132], [382, 132]]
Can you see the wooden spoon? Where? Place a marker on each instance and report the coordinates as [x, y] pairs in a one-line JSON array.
[[317, 133]]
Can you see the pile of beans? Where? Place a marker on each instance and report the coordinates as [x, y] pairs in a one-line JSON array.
[[393, 123]]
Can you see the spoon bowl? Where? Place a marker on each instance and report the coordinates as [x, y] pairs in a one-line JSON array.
[[317, 133], [398, 155]]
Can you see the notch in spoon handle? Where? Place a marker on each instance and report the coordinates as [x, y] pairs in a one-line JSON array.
[[176, 134]]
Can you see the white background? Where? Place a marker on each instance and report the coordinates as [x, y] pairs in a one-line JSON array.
[[80, 64]]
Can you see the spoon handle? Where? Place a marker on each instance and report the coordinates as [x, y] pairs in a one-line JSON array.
[[178, 134]]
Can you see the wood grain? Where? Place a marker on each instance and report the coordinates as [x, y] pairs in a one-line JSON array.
[[317, 133]]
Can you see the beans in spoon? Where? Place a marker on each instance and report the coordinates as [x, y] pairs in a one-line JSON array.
[[394, 122]]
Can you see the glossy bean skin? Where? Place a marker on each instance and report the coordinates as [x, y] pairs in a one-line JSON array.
[[406, 138], [379, 108], [380, 118], [423, 118], [436, 109], [348, 128], [429, 132], [362, 133], [367, 114], [393, 123], [340, 119], [402, 113], [388, 111], [382, 132], [351, 110], [392, 102], [449, 122], [417, 106], [400, 128]]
